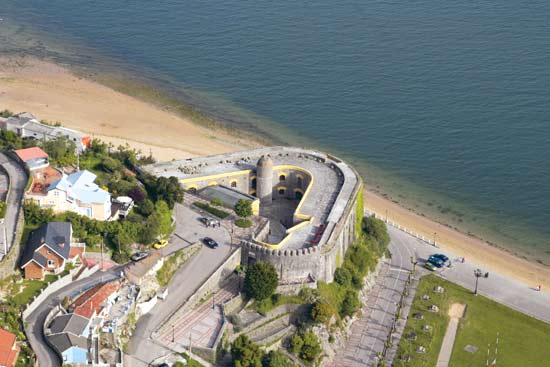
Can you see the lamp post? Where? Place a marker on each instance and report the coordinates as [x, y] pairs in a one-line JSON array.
[[414, 262], [173, 334], [435, 237], [478, 274]]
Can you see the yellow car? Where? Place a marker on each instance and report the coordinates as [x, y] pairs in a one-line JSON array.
[[160, 244]]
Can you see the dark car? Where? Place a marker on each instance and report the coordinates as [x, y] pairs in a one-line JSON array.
[[430, 266], [443, 257], [210, 242], [139, 256], [436, 261]]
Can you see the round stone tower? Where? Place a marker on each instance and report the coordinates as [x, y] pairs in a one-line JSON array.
[[264, 180]]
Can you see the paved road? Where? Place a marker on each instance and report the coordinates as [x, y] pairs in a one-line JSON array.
[[18, 182], [141, 349], [46, 357], [497, 287]]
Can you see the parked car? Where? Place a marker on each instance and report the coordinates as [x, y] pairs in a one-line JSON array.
[[210, 242], [210, 222], [436, 261], [160, 244], [430, 266], [443, 257], [139, 256]]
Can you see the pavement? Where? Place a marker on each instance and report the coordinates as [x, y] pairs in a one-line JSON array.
[[200, 326], [142, 349], [505, 290], [45, 356], [18, 183]]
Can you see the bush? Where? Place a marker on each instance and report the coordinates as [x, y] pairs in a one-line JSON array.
[[216, 202], [260, 281], [311, 349], [243, 223], [306, 346], [376, 229], [210, 209], [276, 359], [245, 353], [342, 276], [243, 208], [350, 304], [3, 208], [296, 343], [321, 312]]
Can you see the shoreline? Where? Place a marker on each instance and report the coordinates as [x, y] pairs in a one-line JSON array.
[[118, 116]]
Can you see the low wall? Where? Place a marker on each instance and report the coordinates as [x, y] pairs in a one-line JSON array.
[[51, 288]]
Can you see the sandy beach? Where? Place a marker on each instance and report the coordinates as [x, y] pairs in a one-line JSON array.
[[53, 93]]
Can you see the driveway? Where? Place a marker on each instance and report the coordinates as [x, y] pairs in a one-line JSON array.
[[189, 277], [46, 357], [18, 182]]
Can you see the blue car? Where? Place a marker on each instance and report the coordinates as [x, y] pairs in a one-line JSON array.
[[445, 258], [436, 261]]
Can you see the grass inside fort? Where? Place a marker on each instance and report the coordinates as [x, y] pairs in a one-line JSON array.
[[523, 340]]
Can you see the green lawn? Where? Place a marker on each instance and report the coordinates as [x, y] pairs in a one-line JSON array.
[[31, 288], [523, 341]]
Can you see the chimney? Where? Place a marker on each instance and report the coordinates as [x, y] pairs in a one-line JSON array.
[[42, 240]]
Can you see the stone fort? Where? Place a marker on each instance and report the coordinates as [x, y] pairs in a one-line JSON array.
[[312, 202]]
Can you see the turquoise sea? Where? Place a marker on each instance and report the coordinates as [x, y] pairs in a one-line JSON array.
[[445, 106]]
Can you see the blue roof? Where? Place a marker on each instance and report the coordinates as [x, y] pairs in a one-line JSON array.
[[80, 185]]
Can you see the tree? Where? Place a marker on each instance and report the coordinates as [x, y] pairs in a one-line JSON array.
[[169, 190], [146, 208], [321, 312], [276, 359], [260, 281], [342, 276], [60, 150], [376, 228], [243, 208], [350, 304], [137, 194], [245, 353], [6, 113]]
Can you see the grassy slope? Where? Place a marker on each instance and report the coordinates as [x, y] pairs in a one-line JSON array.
[[523, 340]]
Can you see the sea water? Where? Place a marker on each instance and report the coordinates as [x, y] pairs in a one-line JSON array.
[[445, 106]]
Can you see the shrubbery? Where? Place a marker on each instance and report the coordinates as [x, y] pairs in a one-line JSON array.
[[243, 208], [321, 312], [243, 223], [246, 353], [222, 214]]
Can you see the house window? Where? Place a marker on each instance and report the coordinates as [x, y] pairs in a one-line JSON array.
[[51, 202], [233, 183], [56, 193], [51, 263], [281, 191], [282, 178]]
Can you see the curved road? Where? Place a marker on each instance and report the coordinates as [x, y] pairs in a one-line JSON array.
[[45, 356], [18, 181]]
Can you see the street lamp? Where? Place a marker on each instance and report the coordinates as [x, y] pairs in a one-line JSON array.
[[478, 274], [173, 334], [435, 237], [414, 262]]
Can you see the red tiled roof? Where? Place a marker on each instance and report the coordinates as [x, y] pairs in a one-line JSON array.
[[8, 354], [31, 153], [92, 300]]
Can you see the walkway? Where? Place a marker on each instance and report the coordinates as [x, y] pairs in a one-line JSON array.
[[455, 312], [369, 333], [201, 325]]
